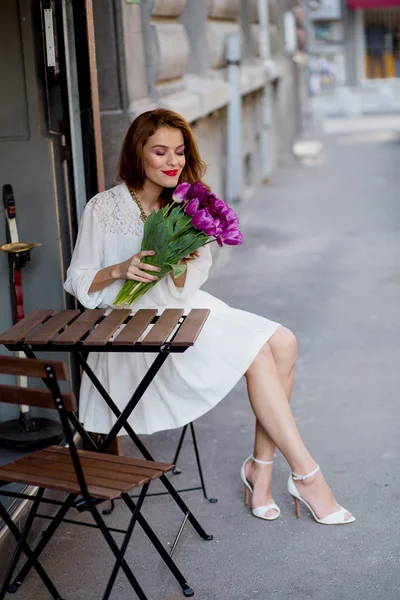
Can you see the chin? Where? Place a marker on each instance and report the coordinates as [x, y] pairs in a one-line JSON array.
[[170, 182]]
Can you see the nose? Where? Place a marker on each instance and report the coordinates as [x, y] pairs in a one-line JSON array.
[[172, 160]]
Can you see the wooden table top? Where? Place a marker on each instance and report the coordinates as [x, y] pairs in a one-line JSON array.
[[91, 330]]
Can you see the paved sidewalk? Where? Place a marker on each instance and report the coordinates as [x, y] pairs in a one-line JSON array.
[[322, 256]]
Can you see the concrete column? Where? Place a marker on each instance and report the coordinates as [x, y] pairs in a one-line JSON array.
[[223, 18], [166, 45], [250, 29], [135, 64], [194, 18]]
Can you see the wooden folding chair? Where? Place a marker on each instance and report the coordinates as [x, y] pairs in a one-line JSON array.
[[89, 478]]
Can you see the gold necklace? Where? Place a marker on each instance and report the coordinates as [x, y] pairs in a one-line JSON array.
[[143, 215]]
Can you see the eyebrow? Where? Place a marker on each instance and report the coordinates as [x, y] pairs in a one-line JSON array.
[[166, 147]]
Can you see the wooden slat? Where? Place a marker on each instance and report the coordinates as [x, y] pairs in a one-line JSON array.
[[105, 467], [106, 329], [117, 480], [53, 471], [79, 327], [49, 329], [135, 328], [190, 329], [13, 394], [20, 330], [164, 467], [13, 365], [163, 328], [44, 481]]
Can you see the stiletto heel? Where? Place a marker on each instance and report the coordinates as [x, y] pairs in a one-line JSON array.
[[260, 511], [336, 518], [297, 505], [246, 495]]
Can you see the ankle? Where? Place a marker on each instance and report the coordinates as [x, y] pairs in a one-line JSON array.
[[262, 460], [306, 478], [306, 483]]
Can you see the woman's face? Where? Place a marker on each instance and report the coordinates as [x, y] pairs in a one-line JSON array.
[[164, 157]]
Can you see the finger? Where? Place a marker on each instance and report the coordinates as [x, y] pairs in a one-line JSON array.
[[136, 275], [147, 276], [146, 253], [143, 266]]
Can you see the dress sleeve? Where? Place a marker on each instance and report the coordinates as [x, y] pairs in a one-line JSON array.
[[87, 260], [197, 274]]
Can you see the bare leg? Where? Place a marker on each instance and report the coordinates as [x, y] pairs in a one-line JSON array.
[[274, 415], [284, 351]]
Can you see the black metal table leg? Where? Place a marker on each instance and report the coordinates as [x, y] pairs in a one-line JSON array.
[[196, 450], [141, 447], [178, 451], [187, 590], [128, 535]]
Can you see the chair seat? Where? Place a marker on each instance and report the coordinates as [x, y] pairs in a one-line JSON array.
[[107, 476]]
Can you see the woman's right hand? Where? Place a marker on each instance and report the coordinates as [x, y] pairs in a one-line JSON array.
[[133, 269]]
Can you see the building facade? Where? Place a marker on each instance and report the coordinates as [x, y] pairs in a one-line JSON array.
[[173, 54]]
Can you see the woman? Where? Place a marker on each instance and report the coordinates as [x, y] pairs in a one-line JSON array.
[[158, 153]]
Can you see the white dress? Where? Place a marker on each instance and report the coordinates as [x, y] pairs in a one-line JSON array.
[[187, 385]]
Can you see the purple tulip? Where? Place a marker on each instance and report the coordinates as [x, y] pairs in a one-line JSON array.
[[180, 193], [214, 230], [197, 190], [192, 207], [229, 227], [214, 205], [231, 216], [220, 206], [219, 240], [202, 220], [232, 238]]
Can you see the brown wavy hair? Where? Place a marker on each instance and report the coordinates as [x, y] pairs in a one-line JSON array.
[[130, 166]]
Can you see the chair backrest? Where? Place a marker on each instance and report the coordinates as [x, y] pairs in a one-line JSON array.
[[30, 367], [51, 372]]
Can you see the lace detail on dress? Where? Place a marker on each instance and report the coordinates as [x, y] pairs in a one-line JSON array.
[[113, 214]]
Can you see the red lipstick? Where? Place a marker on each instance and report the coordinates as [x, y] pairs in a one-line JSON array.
[[171, 173]]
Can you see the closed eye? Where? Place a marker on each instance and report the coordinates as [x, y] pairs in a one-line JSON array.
[[161, 150]]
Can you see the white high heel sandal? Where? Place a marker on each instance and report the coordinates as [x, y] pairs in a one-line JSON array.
[[336, 518], [260, 511]]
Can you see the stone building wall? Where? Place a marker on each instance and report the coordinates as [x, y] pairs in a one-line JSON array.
[[171, 53]]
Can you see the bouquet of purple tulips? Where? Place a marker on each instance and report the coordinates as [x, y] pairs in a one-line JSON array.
[[196, 217]]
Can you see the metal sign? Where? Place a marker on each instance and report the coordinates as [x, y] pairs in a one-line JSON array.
[[49, 36], [329, 10]]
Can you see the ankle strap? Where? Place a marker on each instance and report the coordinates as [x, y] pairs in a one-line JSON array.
[[304, 477], [262, 462]]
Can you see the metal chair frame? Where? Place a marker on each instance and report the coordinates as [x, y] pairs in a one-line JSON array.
[[177, 471], [87, 502]]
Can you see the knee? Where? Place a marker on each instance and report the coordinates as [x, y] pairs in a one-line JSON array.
[[283, 345], [262, 359]]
